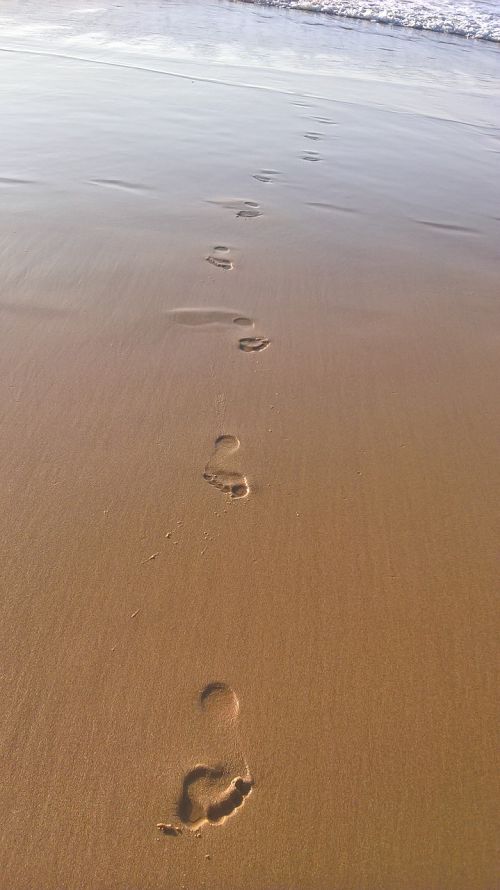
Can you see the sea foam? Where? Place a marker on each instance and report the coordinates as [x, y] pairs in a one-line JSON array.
[[478, 19]]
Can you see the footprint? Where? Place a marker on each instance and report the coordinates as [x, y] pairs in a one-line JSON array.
[[249, 212], [266, 175], [205, 317], [211, 794], [221, 257], [230, 481], [314, 137], [253, 344], [243, 209], [310, 156]]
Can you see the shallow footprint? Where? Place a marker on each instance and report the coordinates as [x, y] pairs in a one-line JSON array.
[[310, 156], [221, 257], [325, 120], [220, 701], [243, 209], [229, 481], [265, 175], [253, 344], [249, 212], [204, 317]]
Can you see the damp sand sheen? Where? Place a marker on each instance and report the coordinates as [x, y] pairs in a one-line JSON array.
[[249, 329]]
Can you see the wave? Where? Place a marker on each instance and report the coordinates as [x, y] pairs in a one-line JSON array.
[[479, 19]]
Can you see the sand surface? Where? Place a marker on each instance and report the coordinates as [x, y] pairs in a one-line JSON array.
[[249, 586]]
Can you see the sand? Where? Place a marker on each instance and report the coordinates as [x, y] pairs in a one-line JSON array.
[[248, 463]]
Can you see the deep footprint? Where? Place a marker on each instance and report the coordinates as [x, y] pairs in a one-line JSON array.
[[211, 794], [198, 784], [253, 344], [208, 796], [221, 257], [229, 481], [230, 801]]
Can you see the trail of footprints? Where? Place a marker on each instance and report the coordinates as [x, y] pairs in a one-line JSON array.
[[211, 793], [218, 471]]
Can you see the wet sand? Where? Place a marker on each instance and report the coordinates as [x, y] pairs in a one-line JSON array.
[[249, 418]]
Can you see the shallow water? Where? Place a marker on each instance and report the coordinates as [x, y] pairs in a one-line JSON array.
[[206, 36]]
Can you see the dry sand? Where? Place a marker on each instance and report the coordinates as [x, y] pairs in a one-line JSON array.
[[342, 601]]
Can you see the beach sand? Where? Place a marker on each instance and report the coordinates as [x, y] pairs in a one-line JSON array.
[[248, 586]]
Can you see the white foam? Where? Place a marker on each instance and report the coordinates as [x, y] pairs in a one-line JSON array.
[[469, 18]]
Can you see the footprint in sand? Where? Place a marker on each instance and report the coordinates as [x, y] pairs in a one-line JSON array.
[[253, 344], [211, 794], [214, 318], [250, 210], [205, 317], [220, 257], [265, 175], [310, 156], [242, 209], [216, 472]]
